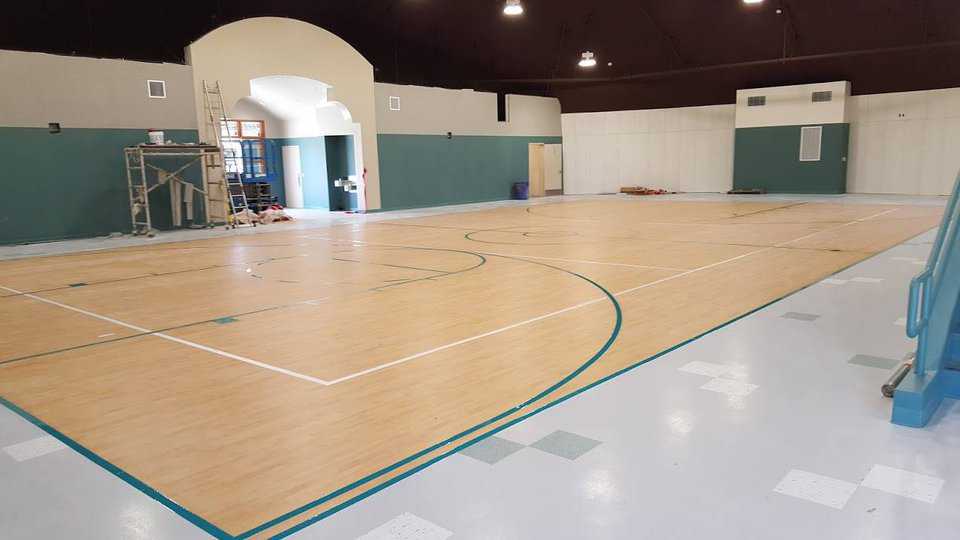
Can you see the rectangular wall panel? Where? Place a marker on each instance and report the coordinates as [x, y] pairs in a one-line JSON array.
[[684, 149]]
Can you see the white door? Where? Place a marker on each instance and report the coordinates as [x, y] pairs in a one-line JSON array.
[[553, 167], [292, 176]]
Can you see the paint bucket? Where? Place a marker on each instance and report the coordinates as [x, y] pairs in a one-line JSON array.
[[155, 136], [520, 191]]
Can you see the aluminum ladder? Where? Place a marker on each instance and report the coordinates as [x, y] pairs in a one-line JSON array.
[[217, 125]]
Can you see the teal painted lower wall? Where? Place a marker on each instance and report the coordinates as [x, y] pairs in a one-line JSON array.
[[432, 170], [769, 158], [70, 184]]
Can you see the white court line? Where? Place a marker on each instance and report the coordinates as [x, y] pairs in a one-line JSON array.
[[861, 220], [584, 261], [425, 353], [170, 338], [564, 310]]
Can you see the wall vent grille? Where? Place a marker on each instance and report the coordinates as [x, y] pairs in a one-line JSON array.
[[822, 96], [394, 103], [756, 101], [810, 142], [157, 89]]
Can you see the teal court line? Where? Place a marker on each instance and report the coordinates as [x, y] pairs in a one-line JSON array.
[[220, 534], [203, 524], [552, 388]]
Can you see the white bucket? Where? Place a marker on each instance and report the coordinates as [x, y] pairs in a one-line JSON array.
[[156, 137]]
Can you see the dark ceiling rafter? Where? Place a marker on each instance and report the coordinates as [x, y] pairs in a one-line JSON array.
[[663, 33], [718, 67]]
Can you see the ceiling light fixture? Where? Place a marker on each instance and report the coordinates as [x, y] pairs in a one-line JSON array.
[[512, 7], [587, 60], [752, 1]]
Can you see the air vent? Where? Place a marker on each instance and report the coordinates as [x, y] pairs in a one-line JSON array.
[[157, 89], [756, 101], [825, 95], [810, 139], [394, 103]]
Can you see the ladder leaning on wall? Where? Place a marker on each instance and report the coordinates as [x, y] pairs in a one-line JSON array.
[[216, 123]]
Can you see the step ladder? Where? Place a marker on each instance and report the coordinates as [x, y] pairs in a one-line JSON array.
[[217, 120]]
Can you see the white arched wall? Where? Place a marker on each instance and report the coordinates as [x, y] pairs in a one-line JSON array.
[[262, 48]]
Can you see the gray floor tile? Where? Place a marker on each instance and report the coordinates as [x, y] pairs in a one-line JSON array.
[[800, 316], [492, 449], [566, 445], [874, 361]]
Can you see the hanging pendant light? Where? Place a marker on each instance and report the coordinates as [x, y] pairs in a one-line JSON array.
[[512, 7], [587, 60]]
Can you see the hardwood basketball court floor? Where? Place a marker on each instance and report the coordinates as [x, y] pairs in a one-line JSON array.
[[254, 383]]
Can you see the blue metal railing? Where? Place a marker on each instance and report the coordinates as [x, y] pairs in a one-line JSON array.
[[925, 286]]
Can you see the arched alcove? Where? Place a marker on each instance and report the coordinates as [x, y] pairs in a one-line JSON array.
[[316, 140], [277, 67]]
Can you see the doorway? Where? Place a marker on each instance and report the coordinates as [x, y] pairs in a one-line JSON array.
[[292, 176]]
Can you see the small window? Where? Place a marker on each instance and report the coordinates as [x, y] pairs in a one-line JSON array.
[[756, 101], [157, 89], [810, 140], [502, 112], [820, 97], [394, 103]]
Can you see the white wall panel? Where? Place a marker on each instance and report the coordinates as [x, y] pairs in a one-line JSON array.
[[683, 149], [904, 142]]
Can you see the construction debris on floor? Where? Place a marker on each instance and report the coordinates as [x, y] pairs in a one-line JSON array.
[[270, 215], [640, 190]]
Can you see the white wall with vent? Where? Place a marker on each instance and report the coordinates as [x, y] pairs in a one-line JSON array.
[[906, 142], [680, 149], [793, 105]]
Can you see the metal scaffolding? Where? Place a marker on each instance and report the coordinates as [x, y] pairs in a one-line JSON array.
[[143, 158]]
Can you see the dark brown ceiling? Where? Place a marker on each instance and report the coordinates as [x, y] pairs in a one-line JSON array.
[[664, 52]]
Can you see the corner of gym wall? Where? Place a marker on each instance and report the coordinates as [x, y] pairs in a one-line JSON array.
[[478, 161], [239, 52], [72, 184]]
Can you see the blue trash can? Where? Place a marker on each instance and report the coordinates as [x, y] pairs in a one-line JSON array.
[[520, 191]]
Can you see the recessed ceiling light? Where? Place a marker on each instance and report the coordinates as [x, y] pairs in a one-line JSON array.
[[587, 60], [752, 1], [609, 64], [513, 7]]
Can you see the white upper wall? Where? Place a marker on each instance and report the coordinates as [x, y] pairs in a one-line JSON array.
[[793, 105], [77, 92], [436, 111]]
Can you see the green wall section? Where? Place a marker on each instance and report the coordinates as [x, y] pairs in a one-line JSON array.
[[432, 170], [71, 184], [340, 164], [769, 158]]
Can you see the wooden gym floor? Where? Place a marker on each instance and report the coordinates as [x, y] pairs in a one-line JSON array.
[[253, 382]]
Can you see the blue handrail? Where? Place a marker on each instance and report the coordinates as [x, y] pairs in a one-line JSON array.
[[924, 287]]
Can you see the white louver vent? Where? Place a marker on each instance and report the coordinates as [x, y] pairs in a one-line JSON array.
[[394, 103], [822, 96], [157, 89], [810, 139]]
